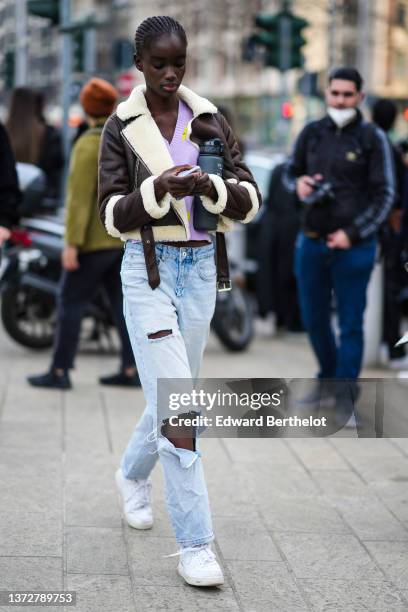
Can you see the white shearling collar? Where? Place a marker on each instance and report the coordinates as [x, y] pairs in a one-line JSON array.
[[136, 103]]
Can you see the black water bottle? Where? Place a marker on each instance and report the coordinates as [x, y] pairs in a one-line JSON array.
[[210, 160]]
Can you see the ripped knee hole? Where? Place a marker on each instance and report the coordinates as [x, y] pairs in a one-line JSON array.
[[160, 334]]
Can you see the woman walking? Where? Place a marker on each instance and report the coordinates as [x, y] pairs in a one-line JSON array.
[[44, 146], [169, 275]]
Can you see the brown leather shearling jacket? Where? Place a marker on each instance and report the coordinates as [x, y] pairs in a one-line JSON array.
[[132, 155]]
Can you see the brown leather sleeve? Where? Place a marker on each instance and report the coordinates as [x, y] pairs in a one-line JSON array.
[[238, 200], [114, 180]]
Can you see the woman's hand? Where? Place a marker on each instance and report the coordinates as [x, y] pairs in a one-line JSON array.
[[177, 186], [204, 186], [4, 234], [69, 258]]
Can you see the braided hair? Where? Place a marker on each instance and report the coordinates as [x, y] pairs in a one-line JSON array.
[[154, 27]]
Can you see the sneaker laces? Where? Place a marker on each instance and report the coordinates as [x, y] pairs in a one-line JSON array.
[[203, 553], [142, 490]]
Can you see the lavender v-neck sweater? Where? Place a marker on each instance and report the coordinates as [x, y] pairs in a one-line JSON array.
[[182, 151]]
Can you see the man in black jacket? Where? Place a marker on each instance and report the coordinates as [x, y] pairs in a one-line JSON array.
[[9, 192], [336, 248]]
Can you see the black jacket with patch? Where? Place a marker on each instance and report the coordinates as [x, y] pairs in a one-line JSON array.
[[357, 161]]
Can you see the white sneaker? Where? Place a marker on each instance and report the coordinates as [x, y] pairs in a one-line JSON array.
[[199, 567], [136, 500], [266, 327]]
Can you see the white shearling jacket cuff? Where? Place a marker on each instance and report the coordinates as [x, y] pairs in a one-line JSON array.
[[218, 206], [254, 201], [156, 209], [109, 224]]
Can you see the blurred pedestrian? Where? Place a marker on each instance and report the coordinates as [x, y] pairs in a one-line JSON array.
[[51, 156], [384, 113], [10, 196], [90, 258], [276, 282], [168, 272], [32, 140], [342, 170]]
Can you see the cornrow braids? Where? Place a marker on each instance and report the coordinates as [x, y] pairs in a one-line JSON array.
[[153, 27]]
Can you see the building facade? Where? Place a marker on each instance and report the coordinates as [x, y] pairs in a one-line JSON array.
[[370, 34]]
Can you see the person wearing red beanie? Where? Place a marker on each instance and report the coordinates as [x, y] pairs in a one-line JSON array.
[[90, 257]]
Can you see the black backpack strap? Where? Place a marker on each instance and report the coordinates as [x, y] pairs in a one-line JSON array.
[[367, 137]]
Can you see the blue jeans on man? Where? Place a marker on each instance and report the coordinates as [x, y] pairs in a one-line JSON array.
[[320, 273]]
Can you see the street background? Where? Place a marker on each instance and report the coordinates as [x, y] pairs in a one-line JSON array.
[[302, 524]]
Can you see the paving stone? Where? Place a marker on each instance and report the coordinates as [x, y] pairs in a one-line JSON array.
[[93, 550], [30, 534], [102, 593], [265, 585], [317, 453], [392, 557], [302, 514], [180, 599], [16, 435], [243, 538], [264, 482], [394, 494], [353, 596], [341, 483], [84, 422], [29, 482], [371, 521], [367, 447], [30, 573], [263, 450], [327, 556], [91, 501]]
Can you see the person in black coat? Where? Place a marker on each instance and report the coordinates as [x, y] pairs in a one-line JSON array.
[[9, 192], [276, 283], [384, 114]]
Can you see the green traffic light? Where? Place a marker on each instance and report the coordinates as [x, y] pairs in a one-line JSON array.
[[9, 69], [78, 50], [48, 9], [281, 38]]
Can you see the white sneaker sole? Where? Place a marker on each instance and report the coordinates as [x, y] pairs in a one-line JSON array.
[[129, 521], [203, 581]]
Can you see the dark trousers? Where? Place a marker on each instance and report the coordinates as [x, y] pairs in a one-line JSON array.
[[394, 281], [320, 272], [77, 289]]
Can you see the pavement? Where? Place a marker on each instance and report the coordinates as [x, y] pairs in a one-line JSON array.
[[301, 524]]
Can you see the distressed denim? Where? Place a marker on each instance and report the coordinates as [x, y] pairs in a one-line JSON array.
[[184, 304]]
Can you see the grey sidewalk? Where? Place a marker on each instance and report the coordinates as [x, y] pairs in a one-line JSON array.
[[301, 524]]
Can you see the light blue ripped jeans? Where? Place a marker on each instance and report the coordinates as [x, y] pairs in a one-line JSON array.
[[184, 303]]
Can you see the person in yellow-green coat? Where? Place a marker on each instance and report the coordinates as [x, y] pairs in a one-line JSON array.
[[91, 257]]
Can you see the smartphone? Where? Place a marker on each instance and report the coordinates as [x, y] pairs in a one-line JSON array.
[[190, 171]]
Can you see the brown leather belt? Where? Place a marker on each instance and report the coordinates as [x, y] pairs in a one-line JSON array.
[[221, 257], [188, 243]]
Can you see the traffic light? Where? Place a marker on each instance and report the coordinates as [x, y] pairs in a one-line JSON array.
[[49, 9], [9, 68], [287, 111], [78, 50], [282, 39]]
